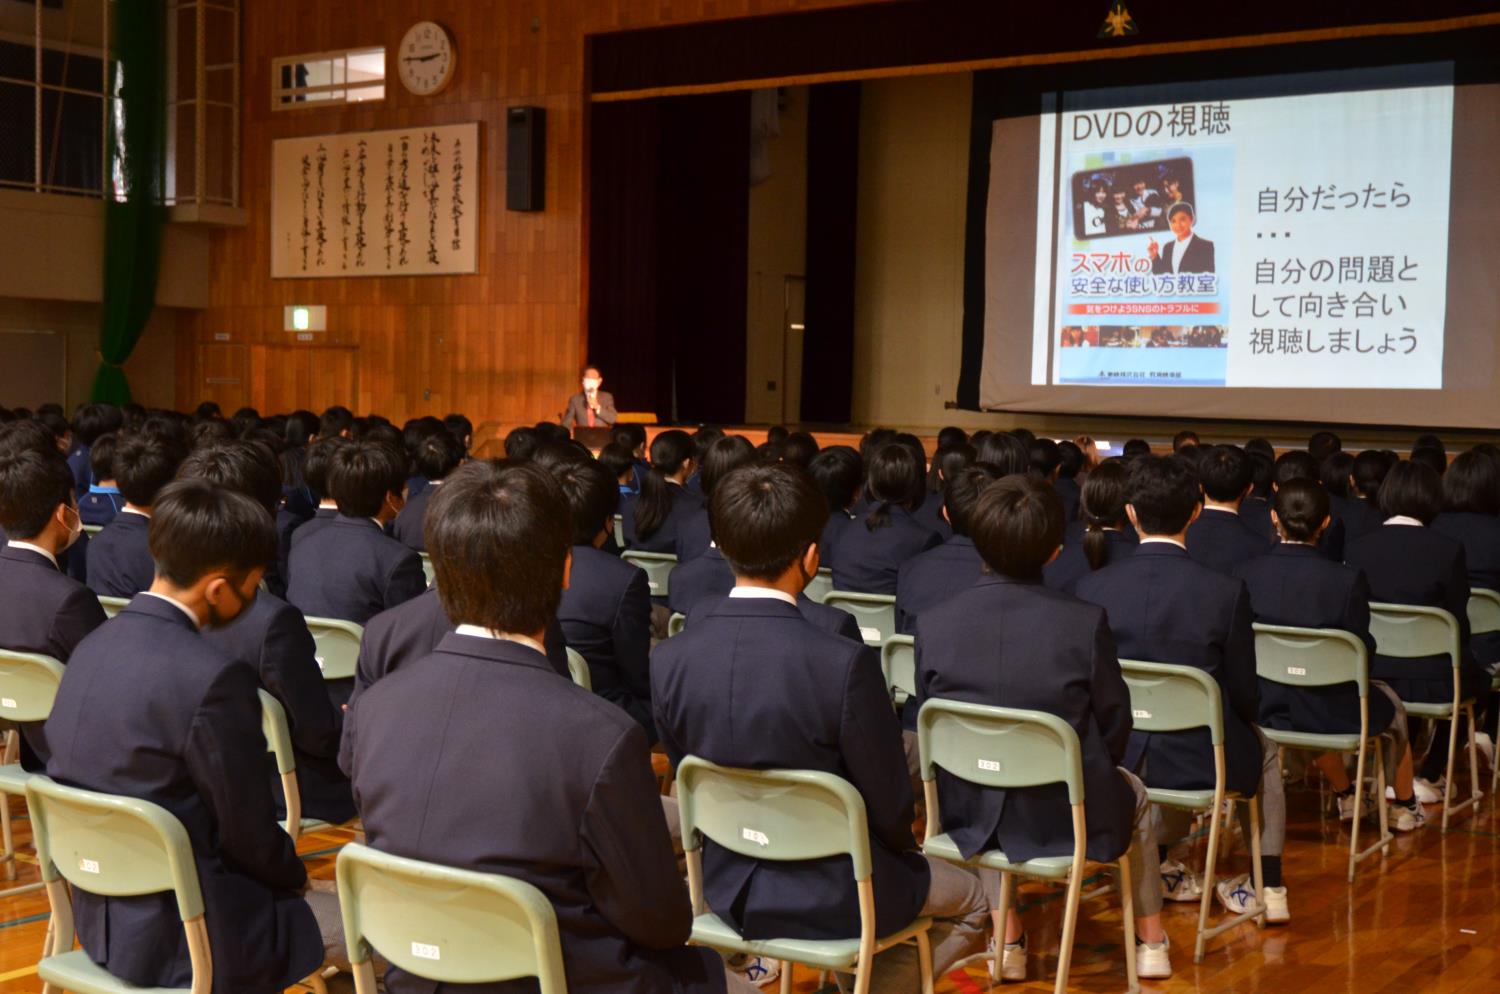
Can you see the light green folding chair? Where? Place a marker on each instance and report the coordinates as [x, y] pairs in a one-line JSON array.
[[658, 567], [876, 613], [1484, 616], [1326, 657], [578, 669], [819, 586], [786, 815], [1009, 748], [114, 847], [337, 646], [1409, 631], [1165, 698], [92, 530], [427, 569], [444, 924], [676, 623], [619, 526], [112, 605], [898, 660], [28, 686], [278, 733]]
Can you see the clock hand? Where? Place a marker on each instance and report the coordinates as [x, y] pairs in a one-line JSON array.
[[421, 58]]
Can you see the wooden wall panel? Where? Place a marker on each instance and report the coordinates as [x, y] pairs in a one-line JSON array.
[[501, 345]]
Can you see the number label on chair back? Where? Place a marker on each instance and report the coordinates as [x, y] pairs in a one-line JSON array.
[[1166, 698], [1310, 657], [28, 685], [337, 646], [999, 747], [1408, 631]]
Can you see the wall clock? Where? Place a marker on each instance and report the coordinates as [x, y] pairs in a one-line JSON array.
[[426, 58]]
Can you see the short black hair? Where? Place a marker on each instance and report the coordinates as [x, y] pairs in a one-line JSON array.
[[54, 422], [1164, 492], [144, 463], [631, 435], [335, 421], [1025, 435], [1428, 440], [246, 467], [208, 409], [1472, 484], [211, 431], [799, 449], [777, 433], [198, 527], [1323, 444], [1017, 524], [102, 457], [1181, 207], [461, 428], [1045, 456], [33, 482], [315, 465], [1069, 460], [360, 476], [1301, 507], [895, 478], [1334, 471], [764, 517], [438, 455], [93, 420], [1412, 489], [24, 435], [724, 456], [1185, 437], [1261, 447], [838, 472], [1370, 468], [498, 533], [521, 443], [1295, 464], [873, 440], [592, 496], [1136, 447], [961, 492], [1004, 451], [1431, 456], [617, 458], [1225, 472], [951, 435]]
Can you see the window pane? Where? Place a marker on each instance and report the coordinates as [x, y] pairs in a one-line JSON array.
[[72, 152], [17, 133]]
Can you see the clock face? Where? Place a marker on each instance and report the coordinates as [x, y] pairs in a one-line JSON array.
[[426, 58]]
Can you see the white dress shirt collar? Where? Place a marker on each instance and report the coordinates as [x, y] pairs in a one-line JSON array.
[[475, 631], [33, 548], [1164, 540], [1179, 252], [762, 594], [1403, 519], [177, 604], [131, 509]]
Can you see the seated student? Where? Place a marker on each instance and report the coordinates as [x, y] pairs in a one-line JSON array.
[[723, 456], [1295, 465], [90, 421], [1165, 608], [42, 610], [932, 577], [101, 501], [586, 826], [839, 472], [929, 511], [1361, 509], [1103, 534], [605, 612], [1010, 641], [664, 502], [349, 568], [149, 709], [1220, 539], [1471, 517], [1070, 463], [315, 475], [119, 559], [1293, 585], [869, 554], [271, 635], [1406, 562], [701, 439], [412, 434], [632, 438], [818, 702], [799, 449], [437, 455]]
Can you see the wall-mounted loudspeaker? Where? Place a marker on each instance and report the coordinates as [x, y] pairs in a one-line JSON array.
[[525, 158]]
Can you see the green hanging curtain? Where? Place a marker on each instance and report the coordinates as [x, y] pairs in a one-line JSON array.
[[133, 210]]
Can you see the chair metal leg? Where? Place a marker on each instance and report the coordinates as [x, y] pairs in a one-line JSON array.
[[1256, 874], [1208, 881], [1359, 789], [1475, 793], [924, 960], [1127, 909], [1448, 786], [1070, 924], [1002, 914], [6, 838], [364, 976], [786, 977]]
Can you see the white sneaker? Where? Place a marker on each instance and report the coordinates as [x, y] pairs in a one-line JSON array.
[[1346, 806], [1152, 961], [1430, 791], [1238, 896], [1486, 747], [1406, 819], [759, 970], [1178, 883], [1013, 962]]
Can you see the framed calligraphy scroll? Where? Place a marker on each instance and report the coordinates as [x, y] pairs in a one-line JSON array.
[[376, 203]]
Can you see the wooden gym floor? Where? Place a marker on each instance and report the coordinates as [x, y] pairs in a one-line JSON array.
[[1424, 918]]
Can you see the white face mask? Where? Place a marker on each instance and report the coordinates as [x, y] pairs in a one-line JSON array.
[[591, 384], [76, 530]]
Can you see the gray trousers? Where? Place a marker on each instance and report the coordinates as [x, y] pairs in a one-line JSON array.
[[1173, 824], [960, 917]]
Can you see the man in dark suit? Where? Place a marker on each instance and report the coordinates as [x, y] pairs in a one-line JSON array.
[[149, 709], [1220, 539], [591, 407], [1165, 608], [566, 799], [1009, 641], [119, 563], [606, 609], [41, 609], [437, 456], [349, 568], [932, 577], [802, 699], [1187, 253]]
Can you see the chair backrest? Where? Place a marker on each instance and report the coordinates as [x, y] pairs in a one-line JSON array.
[[619, 525], [278, 733], [777, 815], [1484, 610], [578, 669], [445, 924], [427, 569], [898, 660], [92, 530], [338, 646], [1311, 657], [999, 747], [1166, 698], [28, 685], [113, 846], [1407, 631], [876, 613], [112, 605], [676, 623], [658, 567], [818, 587]]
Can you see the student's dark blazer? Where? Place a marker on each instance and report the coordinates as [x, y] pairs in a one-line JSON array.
[[1256, 512], [149, 709], [869, 561], [287, 523], [626, 511], [1071, 494], [1479, 534], [685, 505], [1406, 564], [1021, 645], [930, 515], [46, 612], [1071, 565], [838, 523], [272, 636], [1293, 585], [79, 466], [930, 578], [349, 569], [753, 684], [1359, 516], [694, 536], [1165, 608], [415, 485], [1221, 540], [606, 617], [709, 580], [564, 799], [99, 508], [119, 557], [407, 528]]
